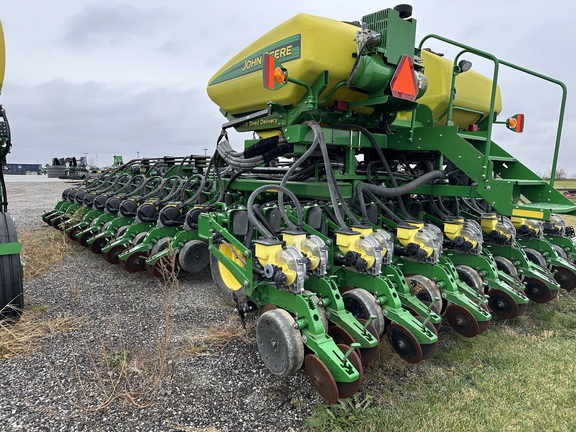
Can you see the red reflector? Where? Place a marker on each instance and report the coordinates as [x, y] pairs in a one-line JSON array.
[[403, 84], [269, 72]]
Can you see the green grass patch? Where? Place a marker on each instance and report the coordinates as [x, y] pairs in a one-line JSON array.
[[571, 183], [518, 376]]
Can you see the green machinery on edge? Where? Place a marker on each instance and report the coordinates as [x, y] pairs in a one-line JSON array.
[[373, 202], [11, 295]]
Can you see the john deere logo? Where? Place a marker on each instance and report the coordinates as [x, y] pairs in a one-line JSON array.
[[285, 50]]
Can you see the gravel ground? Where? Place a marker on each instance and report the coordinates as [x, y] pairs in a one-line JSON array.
[[56, 388]]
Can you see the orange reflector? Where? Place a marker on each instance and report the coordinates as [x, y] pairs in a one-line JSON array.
[[269, 72], [279, 75], [516, 123], [403, 84]]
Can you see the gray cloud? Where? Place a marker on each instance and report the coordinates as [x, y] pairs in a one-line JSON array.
[[113, 24]]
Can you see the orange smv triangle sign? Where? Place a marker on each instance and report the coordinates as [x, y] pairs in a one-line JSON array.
[[403, 84]]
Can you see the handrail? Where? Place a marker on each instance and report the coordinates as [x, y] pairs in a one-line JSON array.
[[497, 62]]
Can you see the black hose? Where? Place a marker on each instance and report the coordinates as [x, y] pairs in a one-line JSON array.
[[406, 188], [258, 191]]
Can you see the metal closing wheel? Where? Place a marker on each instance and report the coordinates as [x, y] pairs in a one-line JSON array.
[[321, 379], [349, 389], [537, 290], [426, 291], [83, 240], [97, 245], [404, 343], [73, 232], [565, 277], [194, 256], [112, 255], [162, 268], [135, 262], [503, 304], [462, 320], [279, 343], [428, 349], [362, 304]]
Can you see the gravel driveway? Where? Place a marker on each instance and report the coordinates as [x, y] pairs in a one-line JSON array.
[[57, 387]]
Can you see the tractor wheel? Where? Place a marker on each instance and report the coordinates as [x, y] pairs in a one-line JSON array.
[[279, 343], [225, 281], [362, 304], [11, 286], [194, 257], [536, 257], [470, 277], [507, 266], [426, 291]]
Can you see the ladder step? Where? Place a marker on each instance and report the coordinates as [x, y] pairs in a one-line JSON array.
[[503, 159], [472, 137], [524, 182]]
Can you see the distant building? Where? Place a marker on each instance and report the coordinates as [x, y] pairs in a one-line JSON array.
[[22, 169]]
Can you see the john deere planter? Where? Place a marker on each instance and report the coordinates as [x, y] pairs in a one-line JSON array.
[[369, 203]]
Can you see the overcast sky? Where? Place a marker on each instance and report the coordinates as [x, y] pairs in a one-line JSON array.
[[121, 77]]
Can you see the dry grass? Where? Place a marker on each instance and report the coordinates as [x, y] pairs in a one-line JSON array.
[[124, 373], [42, 249], [216, 338], [32, 331]]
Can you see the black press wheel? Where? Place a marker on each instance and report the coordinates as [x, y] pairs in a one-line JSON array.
[[560, 251], [279, 343], [426, 291]]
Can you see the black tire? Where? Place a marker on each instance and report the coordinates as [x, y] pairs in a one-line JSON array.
[[279, 343], [536, 257], [362, 304], [11, 281]]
